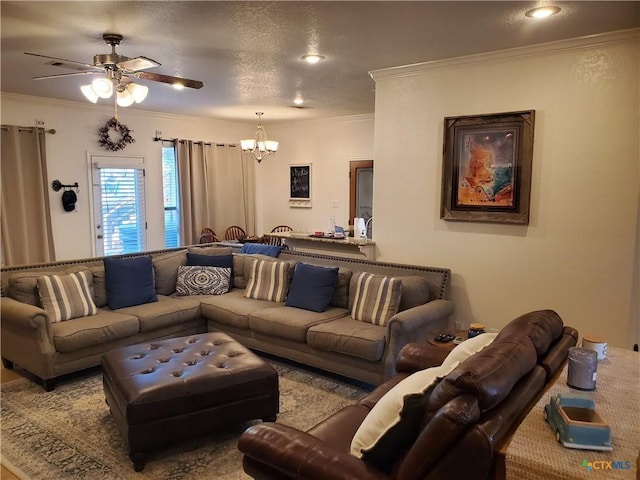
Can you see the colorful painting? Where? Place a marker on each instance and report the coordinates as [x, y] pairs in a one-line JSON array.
[[486, 171], [487, 167]]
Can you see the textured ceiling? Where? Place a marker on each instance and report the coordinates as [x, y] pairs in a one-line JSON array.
[[248, 53]]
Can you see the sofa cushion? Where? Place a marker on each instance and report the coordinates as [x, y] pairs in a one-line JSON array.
[[268, 281], [99, 286], [166, 311], [415, 291], [270, 250], [129, 281], [349, 337], [312, 287], [84, 332], [165, 269], [215, 260], [341, 293], [469, 347], [289, 322], [393, 423], [376, 297], [232, 308], [196, 280], [23, 286], [489, 375], [241, 267], [67, 296], [211, 250]]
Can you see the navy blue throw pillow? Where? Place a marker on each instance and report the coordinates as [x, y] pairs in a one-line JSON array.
[[312, 287], [195, 260], [129, 281], [270, 250]]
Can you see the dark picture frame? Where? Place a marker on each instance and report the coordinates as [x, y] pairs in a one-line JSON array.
[[486, 174]]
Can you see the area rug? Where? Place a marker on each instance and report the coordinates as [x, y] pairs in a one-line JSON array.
[[69, 433]]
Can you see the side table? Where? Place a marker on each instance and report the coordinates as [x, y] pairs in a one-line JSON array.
[[534, 453], [448, 346]]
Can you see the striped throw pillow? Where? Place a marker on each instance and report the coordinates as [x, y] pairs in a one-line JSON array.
[[268, 281], [68, 296], [377, 298]]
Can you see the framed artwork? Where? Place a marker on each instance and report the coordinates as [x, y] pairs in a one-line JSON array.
[[300, 185], [486, 174]]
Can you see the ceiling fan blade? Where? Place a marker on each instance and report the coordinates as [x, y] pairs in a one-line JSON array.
[[62, 75], [157, 77], [138, 63], [62, 61]]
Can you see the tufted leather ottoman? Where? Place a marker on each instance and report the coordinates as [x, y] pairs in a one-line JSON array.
[[171, 390]]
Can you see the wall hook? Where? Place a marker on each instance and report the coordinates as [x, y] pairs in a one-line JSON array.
[[57, 185]]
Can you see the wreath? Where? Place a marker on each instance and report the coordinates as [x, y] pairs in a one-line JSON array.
[[105, 136]]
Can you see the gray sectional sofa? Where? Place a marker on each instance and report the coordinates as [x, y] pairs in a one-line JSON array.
[[329, 340]]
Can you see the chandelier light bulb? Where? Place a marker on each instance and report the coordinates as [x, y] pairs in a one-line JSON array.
[[102, 87], [139, 92], [124, 98], [89, 94]]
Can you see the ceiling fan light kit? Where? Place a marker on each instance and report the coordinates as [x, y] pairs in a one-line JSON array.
[[118, 69], [259, 147]]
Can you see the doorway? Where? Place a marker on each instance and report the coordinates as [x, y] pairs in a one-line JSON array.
[[118, 199], [360, 189]]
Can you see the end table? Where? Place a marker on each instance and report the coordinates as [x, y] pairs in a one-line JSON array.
[[447, 346]]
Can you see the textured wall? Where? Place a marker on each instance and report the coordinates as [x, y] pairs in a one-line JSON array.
[[577, 255]]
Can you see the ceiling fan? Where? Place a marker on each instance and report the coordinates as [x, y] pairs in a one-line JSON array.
[[119, 69]]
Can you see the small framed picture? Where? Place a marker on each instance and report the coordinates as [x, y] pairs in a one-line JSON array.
[[300, 185]]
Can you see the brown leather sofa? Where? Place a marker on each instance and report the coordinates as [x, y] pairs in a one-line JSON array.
[[466, 416]]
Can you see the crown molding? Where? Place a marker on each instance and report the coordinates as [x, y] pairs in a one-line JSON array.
[[109, 109], [590, 41]]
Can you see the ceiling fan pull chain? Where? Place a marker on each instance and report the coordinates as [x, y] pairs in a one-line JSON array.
[[115, 116]]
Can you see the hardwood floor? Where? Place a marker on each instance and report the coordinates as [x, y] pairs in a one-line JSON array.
[[8, 376]]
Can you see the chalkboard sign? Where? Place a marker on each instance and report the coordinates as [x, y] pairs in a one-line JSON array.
[[300, 182]]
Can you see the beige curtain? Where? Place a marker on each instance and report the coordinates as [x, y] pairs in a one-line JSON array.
[[217, 189], [27, 236], [193, 158]]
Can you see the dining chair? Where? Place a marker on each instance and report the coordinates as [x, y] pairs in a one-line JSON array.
[[235, 232], [207, 235], [281, 228], [277, 241]]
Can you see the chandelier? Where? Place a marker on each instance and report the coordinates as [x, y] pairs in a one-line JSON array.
[[259, 147], [126, 92]]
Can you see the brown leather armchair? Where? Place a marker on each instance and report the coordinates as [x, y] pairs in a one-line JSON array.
[[465, 417]]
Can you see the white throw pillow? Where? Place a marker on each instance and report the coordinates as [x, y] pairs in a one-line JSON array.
[[469, 347], [392, 410]]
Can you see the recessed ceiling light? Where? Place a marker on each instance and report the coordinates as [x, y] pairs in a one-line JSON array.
[[312, 58], [542, 12], [298, 101]]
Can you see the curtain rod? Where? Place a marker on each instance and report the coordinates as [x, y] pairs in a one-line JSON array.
[[29, 129], [158, 138], [200, 142]]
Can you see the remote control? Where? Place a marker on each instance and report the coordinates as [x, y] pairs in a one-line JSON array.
[[444, 337]]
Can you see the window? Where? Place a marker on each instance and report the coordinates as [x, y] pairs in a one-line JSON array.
[[119, 206], [170, 193]]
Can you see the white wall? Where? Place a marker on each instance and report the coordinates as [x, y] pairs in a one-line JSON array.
[[76, 126], [577, 255], [328, 145]]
